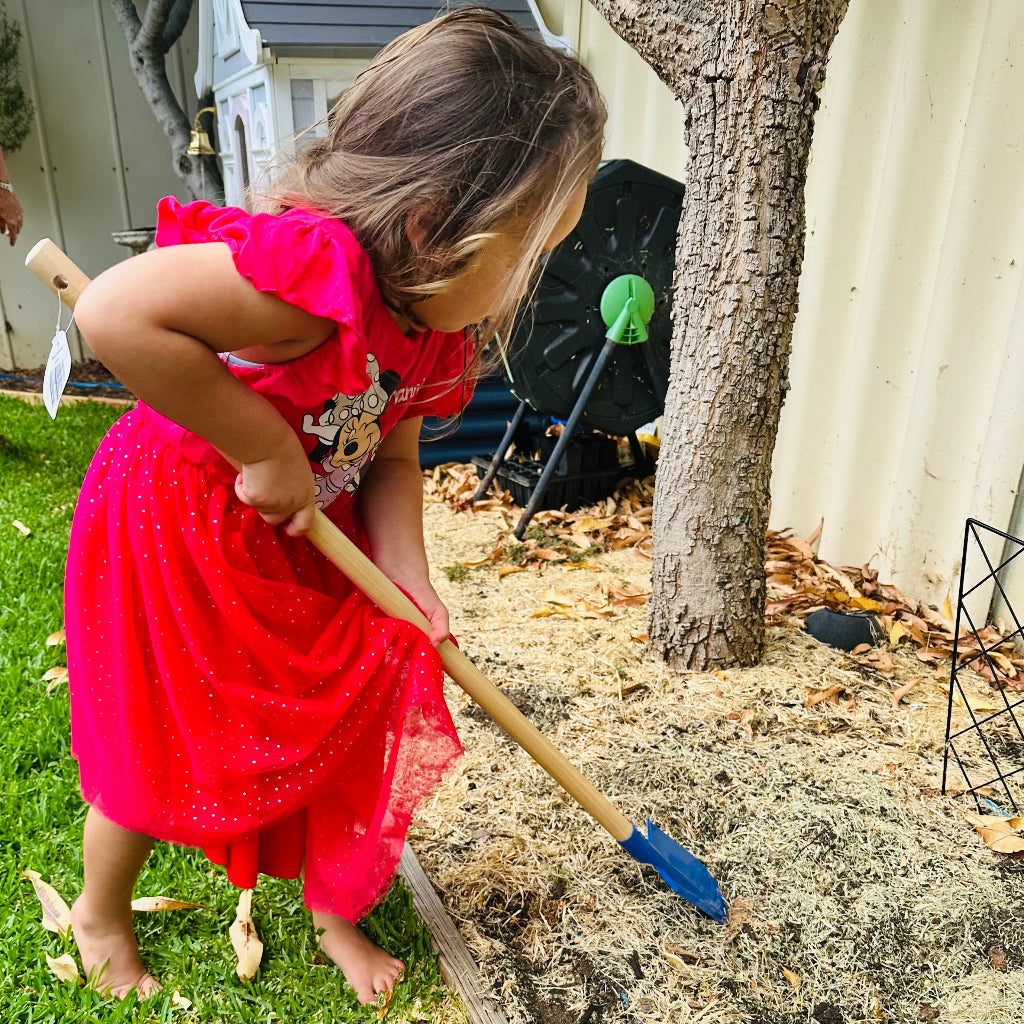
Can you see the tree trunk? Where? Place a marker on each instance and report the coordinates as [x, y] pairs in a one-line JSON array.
[[149, 38], [748, 74]]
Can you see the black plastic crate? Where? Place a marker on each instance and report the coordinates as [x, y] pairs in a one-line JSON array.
[[573, 490], [587, 453]]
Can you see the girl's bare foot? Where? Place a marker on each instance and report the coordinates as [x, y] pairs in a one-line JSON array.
[[110, 953], [367, 968]]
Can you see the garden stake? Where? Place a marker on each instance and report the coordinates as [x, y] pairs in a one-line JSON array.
[[683, 872]]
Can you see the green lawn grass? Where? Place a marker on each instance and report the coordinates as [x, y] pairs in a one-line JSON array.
[[42, 464]]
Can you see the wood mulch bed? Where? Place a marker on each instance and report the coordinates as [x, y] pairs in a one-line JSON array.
[[809, 785]]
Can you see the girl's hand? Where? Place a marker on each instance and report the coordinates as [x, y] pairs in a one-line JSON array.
[[280, 488], [423, 595]]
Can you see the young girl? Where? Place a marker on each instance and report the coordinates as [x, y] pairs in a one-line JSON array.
[[231, 689]]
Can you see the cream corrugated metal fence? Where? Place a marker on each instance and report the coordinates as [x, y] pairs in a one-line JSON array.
[[906, 413]]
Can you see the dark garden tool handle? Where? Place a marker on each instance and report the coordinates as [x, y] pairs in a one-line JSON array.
[[59, 273], [499, 453], [541, 486]]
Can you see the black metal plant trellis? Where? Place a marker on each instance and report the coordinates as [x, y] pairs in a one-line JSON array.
[[989, 752]]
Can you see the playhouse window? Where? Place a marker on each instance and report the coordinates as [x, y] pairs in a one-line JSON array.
[[303, 103]]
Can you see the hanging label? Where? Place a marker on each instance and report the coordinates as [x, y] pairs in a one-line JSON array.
[[58, 369]]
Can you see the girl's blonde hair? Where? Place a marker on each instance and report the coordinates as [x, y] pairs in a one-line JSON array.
[[459, 128]]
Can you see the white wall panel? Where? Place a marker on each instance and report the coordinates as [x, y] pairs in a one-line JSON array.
[[646, 120], [95, 162], [907, 408], [906, 413]]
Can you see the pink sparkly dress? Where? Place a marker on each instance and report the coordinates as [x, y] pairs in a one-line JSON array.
[[230, 689]]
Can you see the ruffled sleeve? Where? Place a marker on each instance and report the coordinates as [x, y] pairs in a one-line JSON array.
[[450, 385], [309, 261]]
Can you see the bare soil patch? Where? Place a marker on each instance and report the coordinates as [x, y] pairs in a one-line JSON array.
[[858, 892]]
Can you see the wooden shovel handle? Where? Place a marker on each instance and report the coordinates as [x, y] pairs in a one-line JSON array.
[[51, 265], [379, 589], [56, 271]]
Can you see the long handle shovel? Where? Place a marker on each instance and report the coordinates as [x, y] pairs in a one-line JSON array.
[[684, 874]]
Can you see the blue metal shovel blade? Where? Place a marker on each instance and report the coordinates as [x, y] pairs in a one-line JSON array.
[[683, 873]]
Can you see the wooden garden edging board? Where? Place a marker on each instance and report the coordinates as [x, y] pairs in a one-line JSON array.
[[35, 398], [457, 965]]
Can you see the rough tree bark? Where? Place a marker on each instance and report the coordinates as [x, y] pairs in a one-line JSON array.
[[748, 73], [149, 38]]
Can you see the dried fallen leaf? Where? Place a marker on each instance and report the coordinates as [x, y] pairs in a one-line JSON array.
[[474, 563], [588, 524], [1000, 834], [820, 695], [64, 967], [986, 671], [745, 719], [547, 555], [55, 639], [679, 957], [630, 595], [55, 682], [56, 913], [58, 673], [983, 705], [793, 978], [897, 633], [997, 958], [801, 546], [508, 570], [177, 999], [555, 597], [244, 939], [384, 1003], [898, 695], [149, 904], [741, 912], [1004, 663], [879, 661], [21, 528]]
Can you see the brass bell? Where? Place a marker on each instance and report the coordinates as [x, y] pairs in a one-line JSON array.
[[199, 141]]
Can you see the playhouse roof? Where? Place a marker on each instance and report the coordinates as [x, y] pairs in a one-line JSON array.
[[301, 24]]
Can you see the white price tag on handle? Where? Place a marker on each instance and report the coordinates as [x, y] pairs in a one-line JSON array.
[[58, 369]]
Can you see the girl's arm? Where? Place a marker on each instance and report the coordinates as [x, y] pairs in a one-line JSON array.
[[390, 501], [158, 321]]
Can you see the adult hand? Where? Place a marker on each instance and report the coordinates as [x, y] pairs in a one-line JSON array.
[[11, 215]]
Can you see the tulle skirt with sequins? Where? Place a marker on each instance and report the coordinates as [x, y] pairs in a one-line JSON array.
[[230, 689]]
